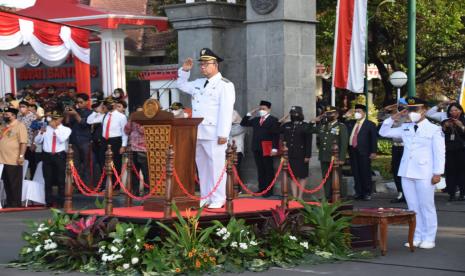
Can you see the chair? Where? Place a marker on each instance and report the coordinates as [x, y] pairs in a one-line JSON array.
[[34, 190]]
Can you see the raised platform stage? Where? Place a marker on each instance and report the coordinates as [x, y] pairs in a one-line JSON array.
[[243, 208]]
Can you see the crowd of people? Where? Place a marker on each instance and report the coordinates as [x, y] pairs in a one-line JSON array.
[[38, 127]]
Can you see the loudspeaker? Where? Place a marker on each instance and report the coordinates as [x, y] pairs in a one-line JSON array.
[[138, 93]]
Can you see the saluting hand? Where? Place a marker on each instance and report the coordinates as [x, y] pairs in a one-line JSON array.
[[187, 65]]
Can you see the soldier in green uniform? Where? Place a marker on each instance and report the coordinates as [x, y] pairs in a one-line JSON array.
[[328, 130]]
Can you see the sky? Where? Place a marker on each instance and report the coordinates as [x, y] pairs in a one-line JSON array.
[[17, 3]]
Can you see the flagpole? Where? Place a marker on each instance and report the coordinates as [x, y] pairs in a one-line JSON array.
[[365, 87], [333, 88], [462, 91]]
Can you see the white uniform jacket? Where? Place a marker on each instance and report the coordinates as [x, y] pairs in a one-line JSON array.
[[214, 103], [424, 150]]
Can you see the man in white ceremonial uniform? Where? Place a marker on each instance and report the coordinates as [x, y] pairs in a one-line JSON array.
[[421, 167], [213, 100]]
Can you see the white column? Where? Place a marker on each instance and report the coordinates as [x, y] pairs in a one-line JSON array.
[[6, 83], [113, 62]]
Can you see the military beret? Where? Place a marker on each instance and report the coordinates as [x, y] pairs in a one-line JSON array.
[[414, 101], [109, 100], [11, 110], [330, 108], [207, 55], [265, 103], [296, 109], [56, 114], [360, 106], [176, 106]]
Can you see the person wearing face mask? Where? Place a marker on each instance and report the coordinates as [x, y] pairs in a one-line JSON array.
[[178, 110], [421, 167], [329, 131], [118, 94], [26, 117], [13, 142], [265, 142], [53, 139], [213, 99], [454, 130], [299, 143], [363, 146], [113, 123]]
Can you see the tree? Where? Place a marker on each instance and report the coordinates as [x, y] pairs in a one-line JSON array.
[[440, 38]]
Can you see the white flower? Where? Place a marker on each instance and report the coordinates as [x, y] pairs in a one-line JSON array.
[[117, 240], [253, 243], [41, 225], [128, 230], [125, 266], [110, 257], [35, 234], [138, 240], [324, 254], [293, 238], [113, 249], [104, 257], [234, 244], [121, 250], [52, 233], [38, 248], [221, 231], [304, 244], [119, 256], [53, 245], [134, 260], [226, 236], [136, 247], [28, 250], [48, 241], [243, 245]]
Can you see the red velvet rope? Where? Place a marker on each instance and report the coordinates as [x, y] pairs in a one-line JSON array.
[[83, 189], [247, 190], [131, 195], [316, 189], [184, 190]]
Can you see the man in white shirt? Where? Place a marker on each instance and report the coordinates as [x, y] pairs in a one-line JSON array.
[[53, 139], [113, 123], [213, 100]]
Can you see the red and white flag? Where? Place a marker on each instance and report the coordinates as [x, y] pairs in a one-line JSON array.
[[349, 45]]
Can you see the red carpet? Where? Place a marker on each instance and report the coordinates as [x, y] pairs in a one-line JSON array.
[[241, 206], [22, 209]]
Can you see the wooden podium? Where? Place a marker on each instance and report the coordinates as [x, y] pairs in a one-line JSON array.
[[161, 130]]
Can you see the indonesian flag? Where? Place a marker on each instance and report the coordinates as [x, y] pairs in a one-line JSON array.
[[462, 91], [349, 45]]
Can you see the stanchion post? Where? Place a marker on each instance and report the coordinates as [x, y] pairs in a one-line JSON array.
[[229, 180], [336, 188], [169, 182], [129, 173], [285, 196], [235, 161], [109, 182], [68, 206]]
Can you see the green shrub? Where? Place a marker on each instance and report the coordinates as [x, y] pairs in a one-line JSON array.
[[384, 146], [382, 163]]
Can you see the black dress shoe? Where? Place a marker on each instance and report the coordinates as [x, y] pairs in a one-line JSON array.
[[367, 198], [398, 200], [358, 197]]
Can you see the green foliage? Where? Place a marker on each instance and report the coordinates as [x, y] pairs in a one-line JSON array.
[[382, 163], [329, 233], [440, 38], [237, 246], [384, 146], [188, 244]]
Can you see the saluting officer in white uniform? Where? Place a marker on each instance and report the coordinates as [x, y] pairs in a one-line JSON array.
[[213, 100], [421, 166]]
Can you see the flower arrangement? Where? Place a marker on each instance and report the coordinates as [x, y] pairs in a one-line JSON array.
[[238, 247], [106, 246]]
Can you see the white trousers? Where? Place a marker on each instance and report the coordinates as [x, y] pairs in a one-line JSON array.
[[210, 158], [419, 194]]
